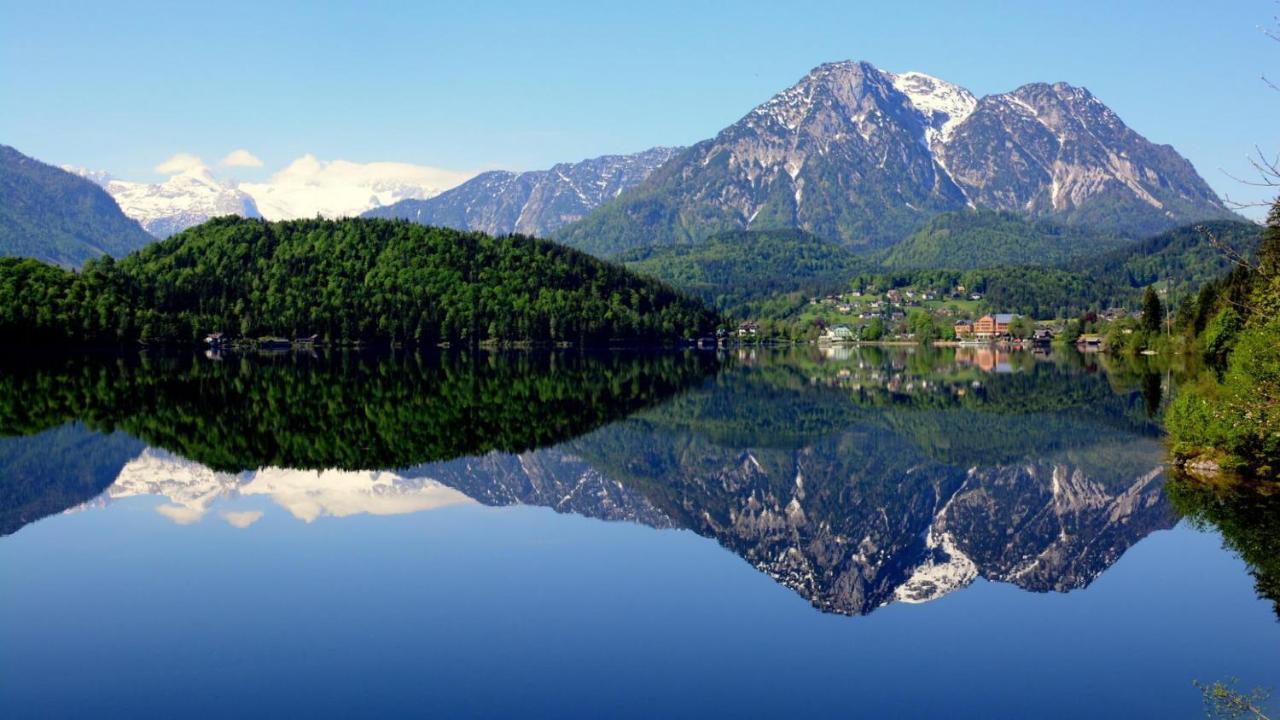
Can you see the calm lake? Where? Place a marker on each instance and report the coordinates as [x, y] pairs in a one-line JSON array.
[[752, 533]]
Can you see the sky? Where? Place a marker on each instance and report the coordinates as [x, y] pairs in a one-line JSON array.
[[125, 86]]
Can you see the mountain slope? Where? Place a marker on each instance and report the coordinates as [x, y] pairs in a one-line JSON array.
[[986, 238], [1186, 257], [733, 269], [184, 200], [864, 156], [52, 215], [532, 203]]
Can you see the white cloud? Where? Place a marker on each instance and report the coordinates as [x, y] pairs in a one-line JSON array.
[[338, 188], [181, 514], [179, 163], [242, 519], [241, 158]]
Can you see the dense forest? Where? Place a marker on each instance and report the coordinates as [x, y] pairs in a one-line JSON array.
[[355, 280], [1231, 415], [1184, 259], [737, 270], [1031, 268], [986, 238]]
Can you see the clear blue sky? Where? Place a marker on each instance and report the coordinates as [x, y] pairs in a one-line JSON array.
[[123, 85]]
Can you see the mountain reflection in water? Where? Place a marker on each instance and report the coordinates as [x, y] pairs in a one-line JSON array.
[[855, 477]]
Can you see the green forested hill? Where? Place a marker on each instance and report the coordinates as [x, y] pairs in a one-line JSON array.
[[51, 215], [734, 269], [985, 238], [348, 280], [1185, 258]]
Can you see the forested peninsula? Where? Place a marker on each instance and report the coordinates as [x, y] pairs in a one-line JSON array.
[[344, 281]]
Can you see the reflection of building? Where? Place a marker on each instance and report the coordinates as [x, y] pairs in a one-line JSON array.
[[837, 353], [986, 359], [993, 325]]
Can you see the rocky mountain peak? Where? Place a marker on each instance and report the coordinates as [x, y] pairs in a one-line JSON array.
[[862, 156], [181, 201]]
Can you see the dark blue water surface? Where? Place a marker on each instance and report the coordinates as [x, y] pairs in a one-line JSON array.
[[757, 535]]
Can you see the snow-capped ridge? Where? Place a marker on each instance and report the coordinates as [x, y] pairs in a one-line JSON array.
[[944, 105], [185, 199]]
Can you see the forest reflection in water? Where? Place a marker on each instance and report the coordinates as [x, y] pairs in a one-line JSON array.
[[855, 476]]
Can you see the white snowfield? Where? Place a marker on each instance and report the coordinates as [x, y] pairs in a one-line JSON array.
[[309, 187], [306, 188]]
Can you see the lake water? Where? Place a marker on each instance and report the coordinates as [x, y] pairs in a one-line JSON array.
[[820, 533]]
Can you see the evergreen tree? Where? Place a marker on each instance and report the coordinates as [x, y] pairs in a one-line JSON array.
[[1152, 310]]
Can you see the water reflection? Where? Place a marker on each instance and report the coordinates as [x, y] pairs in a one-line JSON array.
[[857, 478], [193, 489], [1245, 514]]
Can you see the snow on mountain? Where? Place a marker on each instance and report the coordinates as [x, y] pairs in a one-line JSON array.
[[861, 156], [101, 177], [193, 489], [307, 187], [338, 188], [943, 105], [536, 202], [186, 199]]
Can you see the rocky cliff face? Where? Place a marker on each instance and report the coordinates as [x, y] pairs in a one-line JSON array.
[[533, 203], [861, 155], [1057, 151]]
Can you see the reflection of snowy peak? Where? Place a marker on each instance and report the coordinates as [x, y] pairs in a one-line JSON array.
[[182, 201], [192, 490]]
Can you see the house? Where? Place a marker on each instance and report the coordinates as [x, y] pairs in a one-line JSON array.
[[748, 329], [1042, 336], [963, 328], [990, 326], [1090, 343], [217, 339], [839, 333]]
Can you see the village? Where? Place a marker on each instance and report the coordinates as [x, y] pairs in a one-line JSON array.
[[955, 316]]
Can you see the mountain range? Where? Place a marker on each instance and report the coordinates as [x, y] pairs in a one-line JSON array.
[[538, 202], [862, 156], [306, 188], [184, 200], [910, 169]]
